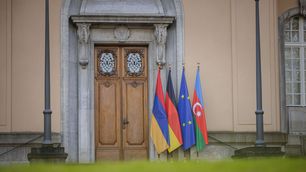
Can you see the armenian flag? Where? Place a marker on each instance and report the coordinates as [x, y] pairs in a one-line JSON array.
[[199, 115], [159, 124], [175, 134], [185, 114]]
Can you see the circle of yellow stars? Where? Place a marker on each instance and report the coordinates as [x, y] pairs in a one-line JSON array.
[[189, 122]]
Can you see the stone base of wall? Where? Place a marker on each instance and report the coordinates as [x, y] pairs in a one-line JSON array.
[[48, 153], [304, 145], [14, 147], [222, 145], [296, 145]]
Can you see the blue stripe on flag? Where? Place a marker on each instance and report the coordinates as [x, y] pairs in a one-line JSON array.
[[161, 118]]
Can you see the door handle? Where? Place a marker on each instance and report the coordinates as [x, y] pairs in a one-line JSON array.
[[124, 122]]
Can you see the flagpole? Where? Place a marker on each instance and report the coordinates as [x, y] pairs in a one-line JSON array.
[[171, 153], [198, 67], [186, 152]]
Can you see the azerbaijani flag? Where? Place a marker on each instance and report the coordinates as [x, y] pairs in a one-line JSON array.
[[159, 123], [185, 114], [199, 114], [175, 134]]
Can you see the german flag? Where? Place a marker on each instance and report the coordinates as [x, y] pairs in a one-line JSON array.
[[175, 134]]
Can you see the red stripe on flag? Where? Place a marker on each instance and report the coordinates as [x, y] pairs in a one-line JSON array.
[[198, 111], [173, 118], [159, 90]]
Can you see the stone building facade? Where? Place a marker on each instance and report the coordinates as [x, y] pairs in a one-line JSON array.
[[220, 35]]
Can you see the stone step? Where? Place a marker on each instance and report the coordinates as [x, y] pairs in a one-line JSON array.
[[258, 152]]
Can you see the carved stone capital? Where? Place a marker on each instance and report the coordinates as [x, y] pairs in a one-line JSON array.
[[83, 37], [122, 33], [160, 33], [161, 37], [83, 32]]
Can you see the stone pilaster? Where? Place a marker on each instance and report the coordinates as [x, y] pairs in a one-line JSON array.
[[84, 129]]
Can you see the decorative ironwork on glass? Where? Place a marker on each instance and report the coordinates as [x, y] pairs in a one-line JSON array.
[[134, 62], [107, 63]]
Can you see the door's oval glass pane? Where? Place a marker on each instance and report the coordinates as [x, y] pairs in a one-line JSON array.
[[107, 63], [134, 62]]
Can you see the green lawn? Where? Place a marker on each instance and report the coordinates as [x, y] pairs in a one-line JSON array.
[[249, 165]]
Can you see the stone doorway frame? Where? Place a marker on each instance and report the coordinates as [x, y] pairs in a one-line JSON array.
[[79, 34]]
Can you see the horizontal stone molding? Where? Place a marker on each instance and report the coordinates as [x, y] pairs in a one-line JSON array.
[[122, 19], [273, 138], [22, 138]]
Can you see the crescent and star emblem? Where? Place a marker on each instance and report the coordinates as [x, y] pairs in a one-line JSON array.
[[197, 111]]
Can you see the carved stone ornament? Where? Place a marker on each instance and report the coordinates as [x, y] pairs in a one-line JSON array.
[[302, 4], [83, 32], [83, 37], [161, 37], [107, 62], [122, 33]]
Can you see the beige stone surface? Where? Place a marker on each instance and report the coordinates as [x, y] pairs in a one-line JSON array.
[[222, 39], [28, 64], [208, 41], [5, 65], [284, 5], [220, 35]]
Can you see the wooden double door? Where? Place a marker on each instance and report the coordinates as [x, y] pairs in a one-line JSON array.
[[121, 103]]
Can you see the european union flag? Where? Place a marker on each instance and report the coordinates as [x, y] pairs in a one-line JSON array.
[[185, 113]]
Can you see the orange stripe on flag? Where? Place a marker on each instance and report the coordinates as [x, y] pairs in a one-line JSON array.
[[158, 137]]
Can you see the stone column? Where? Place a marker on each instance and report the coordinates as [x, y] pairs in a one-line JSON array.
[[84, 129], [161, 37]]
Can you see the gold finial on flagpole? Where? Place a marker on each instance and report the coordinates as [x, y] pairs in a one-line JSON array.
[[159, 66], [198, 65]]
